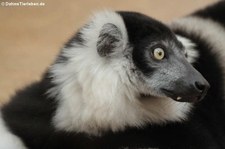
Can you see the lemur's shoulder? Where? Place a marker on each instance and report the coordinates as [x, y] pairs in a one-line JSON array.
[[28, 113]]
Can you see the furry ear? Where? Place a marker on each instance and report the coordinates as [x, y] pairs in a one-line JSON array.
[[105, 33], [110, 38]]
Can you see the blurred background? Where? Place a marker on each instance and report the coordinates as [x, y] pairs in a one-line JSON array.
[[31, 36]]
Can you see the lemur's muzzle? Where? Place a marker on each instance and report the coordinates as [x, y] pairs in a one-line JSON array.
[[190, 88]]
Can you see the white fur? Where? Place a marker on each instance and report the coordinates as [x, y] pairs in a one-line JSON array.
[[94, 93], [7, 139], [190, 50]]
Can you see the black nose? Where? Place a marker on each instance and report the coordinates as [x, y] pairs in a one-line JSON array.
[[201, 88]]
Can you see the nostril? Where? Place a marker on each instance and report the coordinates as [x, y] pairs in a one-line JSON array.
[[201, 87]]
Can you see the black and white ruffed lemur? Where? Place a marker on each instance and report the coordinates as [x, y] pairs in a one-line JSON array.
[[126, 80]]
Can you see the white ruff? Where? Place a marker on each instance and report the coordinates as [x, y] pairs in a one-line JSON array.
[[189, 46], [9, 140], [95, 94], [210, 31]]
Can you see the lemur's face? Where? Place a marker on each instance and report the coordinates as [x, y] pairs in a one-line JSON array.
[[164, 70], [161, 61]]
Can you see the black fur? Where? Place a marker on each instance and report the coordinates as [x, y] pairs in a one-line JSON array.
[[144, 30], [214, 12], [30, 112], [77, 38]]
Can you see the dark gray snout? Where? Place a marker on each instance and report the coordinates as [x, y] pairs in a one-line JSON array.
[[192, 87]]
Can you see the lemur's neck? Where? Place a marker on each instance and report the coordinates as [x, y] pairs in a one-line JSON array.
[[94, 100]]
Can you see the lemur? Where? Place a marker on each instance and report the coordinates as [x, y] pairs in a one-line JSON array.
[[126, 80]]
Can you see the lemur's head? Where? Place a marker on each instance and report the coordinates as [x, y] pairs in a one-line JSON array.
[[161, 66], [122, 69]]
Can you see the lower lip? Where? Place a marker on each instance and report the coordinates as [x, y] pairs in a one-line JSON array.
[[180, 98]]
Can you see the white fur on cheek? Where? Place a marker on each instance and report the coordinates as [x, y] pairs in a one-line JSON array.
[[9, 140]]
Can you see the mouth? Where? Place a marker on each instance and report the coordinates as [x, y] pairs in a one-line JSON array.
[[191, 97], [183, 97], [147, 96]]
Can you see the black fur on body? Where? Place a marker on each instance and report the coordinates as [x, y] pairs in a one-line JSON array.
[[29, 114]]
